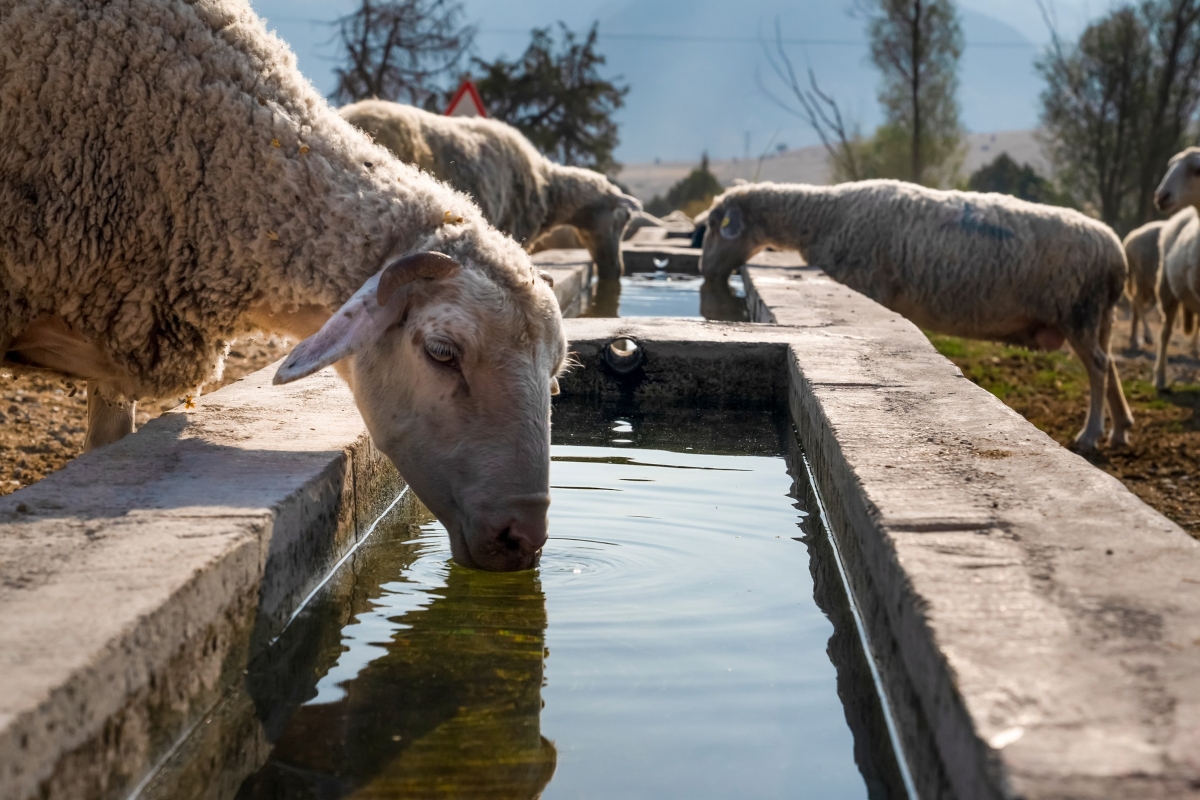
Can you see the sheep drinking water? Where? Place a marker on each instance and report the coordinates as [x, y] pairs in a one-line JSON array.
[[983, 266], [520, 191], [169, 181]]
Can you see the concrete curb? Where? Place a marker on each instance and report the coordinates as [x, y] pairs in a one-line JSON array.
[[137, 582], [1040, 624]]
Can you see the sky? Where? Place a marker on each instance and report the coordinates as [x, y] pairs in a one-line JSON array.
[[698, 77]]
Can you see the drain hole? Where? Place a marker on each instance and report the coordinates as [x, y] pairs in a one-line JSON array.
[[623, 355]]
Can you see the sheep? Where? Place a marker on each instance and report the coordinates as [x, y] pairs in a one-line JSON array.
[[984, 266], [521, 191], [1179, 251], [1141, 253], [169, 181]]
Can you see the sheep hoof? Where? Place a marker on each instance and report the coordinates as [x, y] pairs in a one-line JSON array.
[[1119, 438], [1086, 443]]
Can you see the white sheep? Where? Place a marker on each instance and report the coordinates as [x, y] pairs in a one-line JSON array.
[[984, 266], [1141, 253], [1179, 248], [520, 191], [169, 181]]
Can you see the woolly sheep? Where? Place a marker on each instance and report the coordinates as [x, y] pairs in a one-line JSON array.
[[520, 191], [1179, 251], [1141, 253], [169, 181], [983, 266]]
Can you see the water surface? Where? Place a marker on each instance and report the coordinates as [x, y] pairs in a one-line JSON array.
[[668, 294], [669, 645]]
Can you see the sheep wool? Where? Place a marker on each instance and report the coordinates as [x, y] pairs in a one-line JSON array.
[[1142, 255], [519, 190], [166, 167]]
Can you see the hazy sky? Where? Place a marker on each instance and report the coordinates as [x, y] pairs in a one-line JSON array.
[[683, 57]]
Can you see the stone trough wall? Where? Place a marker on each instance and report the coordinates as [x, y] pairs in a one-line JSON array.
[[1036, 626]]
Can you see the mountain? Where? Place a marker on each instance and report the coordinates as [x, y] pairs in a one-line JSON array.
[[810, 164]]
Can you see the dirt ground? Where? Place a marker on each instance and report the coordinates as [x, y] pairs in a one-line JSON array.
[[43, 418], [1162, 463]]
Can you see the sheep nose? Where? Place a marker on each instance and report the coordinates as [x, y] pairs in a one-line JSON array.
[[516, 541], [1162, 200]]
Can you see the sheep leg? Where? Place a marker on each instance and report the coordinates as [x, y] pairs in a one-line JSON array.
[[1170, 306], [1133, 324], [1118, 408], [1095, 361], [108, 419], [1147, 334]]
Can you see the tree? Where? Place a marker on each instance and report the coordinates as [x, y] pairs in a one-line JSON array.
[[1005, 176], [842, 140], [917, 45], [555, 96], [1174, 30], [1093, 111], [400, 49], [692, 194]]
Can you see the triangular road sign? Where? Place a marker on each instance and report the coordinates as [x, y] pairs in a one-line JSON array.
[[466, 102]]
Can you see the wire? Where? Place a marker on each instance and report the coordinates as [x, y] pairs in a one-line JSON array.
[[682, 39], [668, 37]]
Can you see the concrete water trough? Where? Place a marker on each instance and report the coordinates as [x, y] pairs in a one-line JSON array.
[[1035, 627]]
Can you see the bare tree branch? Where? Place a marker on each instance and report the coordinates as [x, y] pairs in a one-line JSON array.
[[817, 108]]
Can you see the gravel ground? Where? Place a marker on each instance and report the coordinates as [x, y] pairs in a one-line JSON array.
[[1162, 463]]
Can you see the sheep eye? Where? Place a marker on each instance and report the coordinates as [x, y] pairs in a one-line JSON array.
[[442, 352]]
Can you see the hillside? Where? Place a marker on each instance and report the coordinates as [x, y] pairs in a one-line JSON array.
[[809, 164]]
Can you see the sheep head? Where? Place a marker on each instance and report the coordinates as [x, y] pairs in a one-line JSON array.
[[453, 374], [1180, 187], [729, 241], [600, 211]]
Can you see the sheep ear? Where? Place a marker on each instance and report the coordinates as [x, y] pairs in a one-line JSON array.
[[364, 317], [356, 324], [732, 224], [402, 271], [629, 201]]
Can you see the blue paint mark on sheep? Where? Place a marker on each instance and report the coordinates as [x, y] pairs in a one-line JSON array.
[[973, 224]]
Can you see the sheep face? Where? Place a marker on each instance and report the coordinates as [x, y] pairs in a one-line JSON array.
[[728, 242], [1180, 187], [601, 226], [453, 376]]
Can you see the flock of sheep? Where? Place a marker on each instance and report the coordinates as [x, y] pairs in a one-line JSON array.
[[169, 181]]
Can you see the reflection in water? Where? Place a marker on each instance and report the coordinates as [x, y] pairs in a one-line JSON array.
[[873, 753], [666, 294], [720, 301], [435, 691], [606, 300], [668, 644]]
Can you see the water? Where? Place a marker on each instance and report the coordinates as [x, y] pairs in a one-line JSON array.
[[669, 645], [667, 294]]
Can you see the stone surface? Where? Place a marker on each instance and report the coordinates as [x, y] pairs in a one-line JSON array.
[[572, 272], [1047, 620], [132, 584]]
